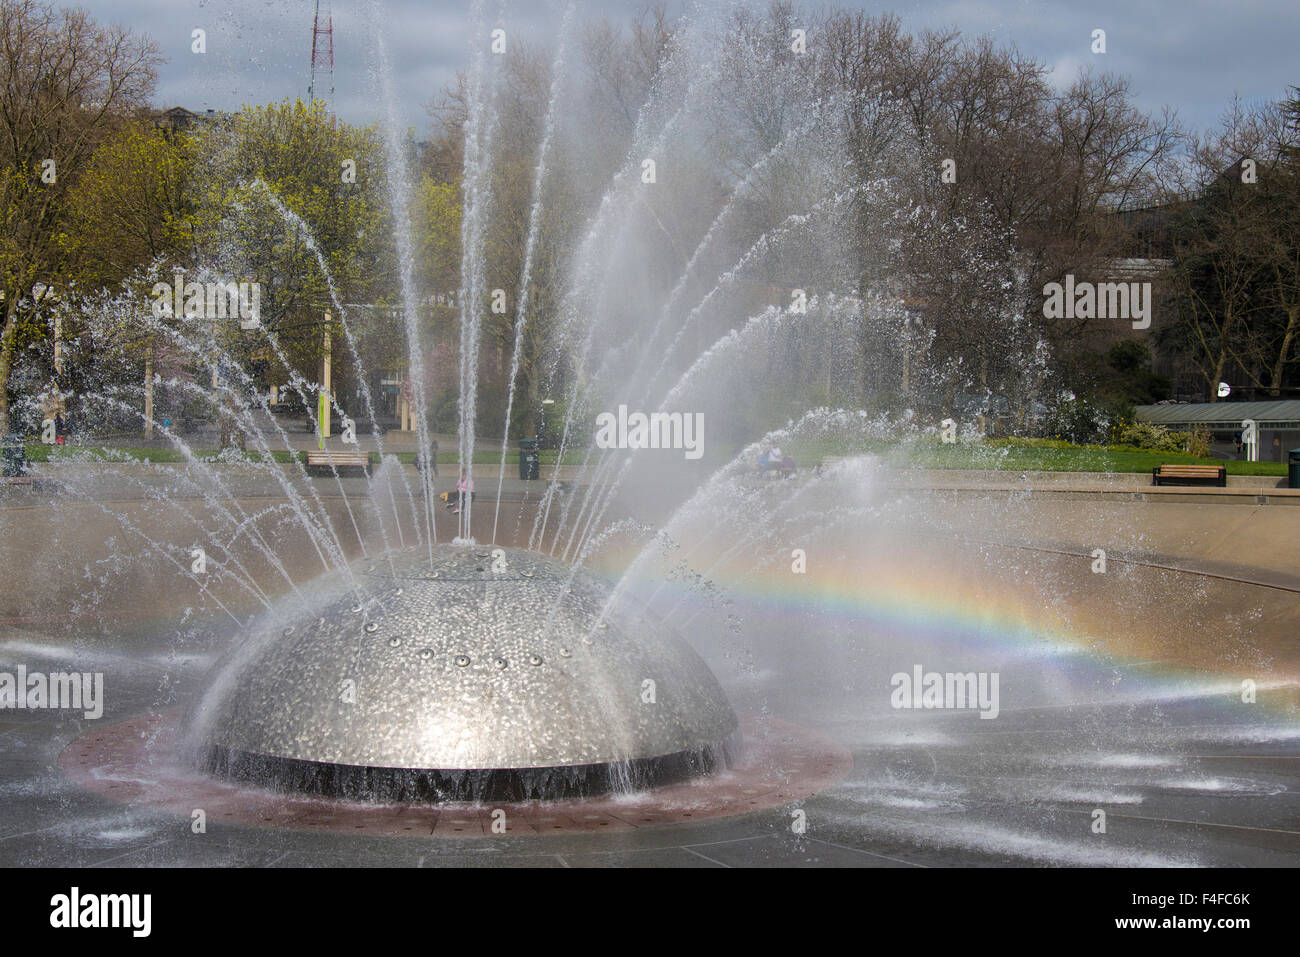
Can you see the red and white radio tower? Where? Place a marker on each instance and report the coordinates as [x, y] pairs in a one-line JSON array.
[[322, 49]]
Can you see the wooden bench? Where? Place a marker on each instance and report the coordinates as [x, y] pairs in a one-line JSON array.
[[326, 461], [1190, 475]]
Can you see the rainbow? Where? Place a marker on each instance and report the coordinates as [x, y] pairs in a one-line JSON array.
[[896, 601]]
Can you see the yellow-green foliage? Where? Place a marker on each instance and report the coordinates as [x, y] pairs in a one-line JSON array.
[[1156, 438]]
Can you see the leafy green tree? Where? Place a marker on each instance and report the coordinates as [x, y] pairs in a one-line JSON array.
[[290, 198], [133, 205], [66, 84], [1127, 379], [436, 219], [274, 181]]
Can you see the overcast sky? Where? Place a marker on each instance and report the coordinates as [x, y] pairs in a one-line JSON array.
[[1190, 54]]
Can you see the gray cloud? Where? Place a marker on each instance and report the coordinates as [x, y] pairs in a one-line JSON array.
[[1190, 55]]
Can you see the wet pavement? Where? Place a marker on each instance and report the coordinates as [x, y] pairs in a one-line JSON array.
[[1136, 748]]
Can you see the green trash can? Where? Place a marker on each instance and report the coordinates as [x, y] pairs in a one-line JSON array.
[[1293, 468], [530, 462], [14, 452]]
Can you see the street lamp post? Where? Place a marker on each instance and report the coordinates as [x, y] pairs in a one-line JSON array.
[[323, 404], [541, 422]]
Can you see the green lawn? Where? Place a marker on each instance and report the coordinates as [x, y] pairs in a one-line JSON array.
[[1069, 460], [55, 453], [931, 455], [1021, 457]]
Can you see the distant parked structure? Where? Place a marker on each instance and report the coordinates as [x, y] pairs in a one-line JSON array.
[[1278, 422], [180, 120]]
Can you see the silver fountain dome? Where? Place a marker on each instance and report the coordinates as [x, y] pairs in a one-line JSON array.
[[484, 675]]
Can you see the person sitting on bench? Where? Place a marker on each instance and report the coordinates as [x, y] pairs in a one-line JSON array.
[[774, 461], [464, 487]]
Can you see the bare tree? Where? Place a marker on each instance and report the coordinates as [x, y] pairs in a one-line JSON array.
[[1236, 262]]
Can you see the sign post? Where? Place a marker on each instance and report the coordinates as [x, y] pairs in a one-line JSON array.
[[323, 404]]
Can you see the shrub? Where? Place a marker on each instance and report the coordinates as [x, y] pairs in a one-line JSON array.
[[1199, 444], [1079, 422], [1019, 442], [1154, 438]]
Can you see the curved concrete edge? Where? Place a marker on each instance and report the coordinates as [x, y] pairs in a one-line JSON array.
[[1137, 486], [1179, 494]]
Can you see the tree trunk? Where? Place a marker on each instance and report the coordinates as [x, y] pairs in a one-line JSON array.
[[949, 399], [1279, 368], [907, 360], [148, 392], [1217, 377], [7, 338]]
